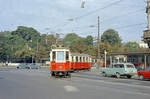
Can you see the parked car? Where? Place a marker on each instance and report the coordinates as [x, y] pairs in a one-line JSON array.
[[120, 69], [34, 66], [28, 66], [22, 66], [144, 74]]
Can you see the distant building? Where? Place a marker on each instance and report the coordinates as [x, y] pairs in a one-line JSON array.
[[142, 44]]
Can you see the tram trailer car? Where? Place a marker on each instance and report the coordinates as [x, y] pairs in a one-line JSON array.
[[80, 62], [62, 62]]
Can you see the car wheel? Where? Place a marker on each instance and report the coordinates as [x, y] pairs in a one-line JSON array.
[[117, 75], [141, 77], [129, 76], [104, 74]]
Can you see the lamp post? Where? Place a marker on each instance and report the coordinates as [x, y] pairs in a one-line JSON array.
[[82, 3], [105, 57]]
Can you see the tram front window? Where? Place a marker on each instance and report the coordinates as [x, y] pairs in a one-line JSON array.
[[53, 56], [60, 56]]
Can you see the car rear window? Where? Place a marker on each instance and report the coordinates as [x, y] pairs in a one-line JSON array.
[[118, 66], [130, 66]]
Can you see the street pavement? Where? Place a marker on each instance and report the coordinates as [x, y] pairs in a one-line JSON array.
[[38, 84]]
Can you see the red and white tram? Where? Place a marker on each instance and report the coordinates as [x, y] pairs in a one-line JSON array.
[[80, 61], [62, 62]]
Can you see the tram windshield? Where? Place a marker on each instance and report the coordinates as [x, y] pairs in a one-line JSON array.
[[60, 56]]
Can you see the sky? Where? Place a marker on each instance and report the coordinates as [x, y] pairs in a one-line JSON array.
[[128, 17]]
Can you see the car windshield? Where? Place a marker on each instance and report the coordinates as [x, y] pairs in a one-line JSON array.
[[129, 66]]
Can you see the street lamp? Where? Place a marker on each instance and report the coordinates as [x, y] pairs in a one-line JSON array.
[[83, 3], [105, 57]]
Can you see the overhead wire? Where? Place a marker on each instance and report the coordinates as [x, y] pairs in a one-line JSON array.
[[91, 12], [109, 5], [126, 26], [113, 18], [102, 8]]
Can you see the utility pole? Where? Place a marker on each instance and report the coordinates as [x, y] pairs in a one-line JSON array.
[[105, 58], [98, 41], [57, 39], [46, 39], [37, 48]]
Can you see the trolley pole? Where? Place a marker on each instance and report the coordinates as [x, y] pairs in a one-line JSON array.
[[98, 41]]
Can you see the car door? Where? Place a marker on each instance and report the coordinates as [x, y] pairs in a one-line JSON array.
[[121, 68], [115, 69], [147, 73]]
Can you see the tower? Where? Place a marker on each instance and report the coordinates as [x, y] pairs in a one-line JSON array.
[[148, 13], [146, 35]]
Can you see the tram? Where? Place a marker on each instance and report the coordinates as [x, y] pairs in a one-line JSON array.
[[63, 62], [60, 62]]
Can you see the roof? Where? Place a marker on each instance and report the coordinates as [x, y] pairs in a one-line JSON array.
[[122, 63], [130, 53], [78, 54]]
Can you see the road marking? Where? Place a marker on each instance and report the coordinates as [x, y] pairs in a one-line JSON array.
[[71, 88]]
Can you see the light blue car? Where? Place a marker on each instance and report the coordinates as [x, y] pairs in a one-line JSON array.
[[28, 66], [120, 69]]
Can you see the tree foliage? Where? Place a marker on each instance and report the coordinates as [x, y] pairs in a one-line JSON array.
[[27, 42], [111, 36], [26, 33], [131, 46], [70, 39]]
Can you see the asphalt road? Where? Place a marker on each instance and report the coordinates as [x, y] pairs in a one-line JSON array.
[[37, 84]]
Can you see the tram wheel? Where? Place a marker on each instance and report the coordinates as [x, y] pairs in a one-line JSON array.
[[52, 74]]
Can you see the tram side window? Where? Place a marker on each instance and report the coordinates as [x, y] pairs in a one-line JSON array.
[[76, 59], [80, 59], [72, 59], [86, 59], [54, 56], [67, 56]]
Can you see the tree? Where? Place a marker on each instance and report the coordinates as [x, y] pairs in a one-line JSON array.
[[111, 36], [27, 33], [88, 40], [131, 46], [42, 53], [71, 38], [0, 50], [4, 36], [79, 47], [24, 53]]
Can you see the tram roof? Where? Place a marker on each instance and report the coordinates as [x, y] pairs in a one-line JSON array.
[[60, 49]]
